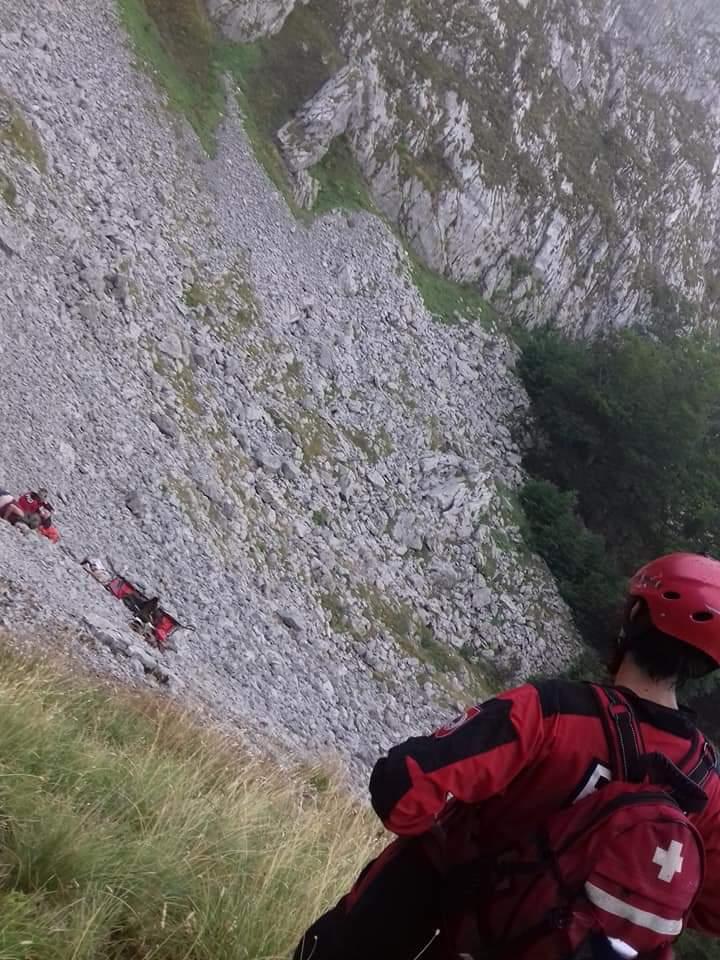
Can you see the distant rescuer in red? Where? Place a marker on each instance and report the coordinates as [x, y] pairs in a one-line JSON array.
[[560, 820]]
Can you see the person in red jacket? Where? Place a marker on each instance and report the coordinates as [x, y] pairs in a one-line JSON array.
[[9, 509], [512, 762], [35, 502]]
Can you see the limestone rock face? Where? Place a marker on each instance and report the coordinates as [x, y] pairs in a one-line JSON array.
[[306, 139], [563, 158], [250, 19]]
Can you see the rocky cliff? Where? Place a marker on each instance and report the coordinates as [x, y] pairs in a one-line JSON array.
[[254, 416], [250, 20], [562, 156]]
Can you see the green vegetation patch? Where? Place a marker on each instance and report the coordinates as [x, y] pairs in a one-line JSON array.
[[240, 63], [417, 638], [625, 458], [7, 190], [436, 434], [185, 385], [342, 185], [274, 77], [577, 556], [337, 612], [293, 380], [396, 617], [229, 302], [129, 832], [450, 302], [321, 518], [442, 657], [315, 436], [175, 41], [196, 295], [183, 382], [185, 494], [375, 447], [279, 73], [17, 134]]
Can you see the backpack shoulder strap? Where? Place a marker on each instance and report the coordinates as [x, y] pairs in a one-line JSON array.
[[622, 731], [700, 761], [626, 744]]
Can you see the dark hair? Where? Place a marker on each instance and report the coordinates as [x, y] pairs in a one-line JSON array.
[[658, 654]]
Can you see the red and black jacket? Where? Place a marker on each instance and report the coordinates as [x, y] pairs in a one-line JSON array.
[[526, 754]]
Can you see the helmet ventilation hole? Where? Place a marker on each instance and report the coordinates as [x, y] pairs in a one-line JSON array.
[[671, 595], [702, 616]]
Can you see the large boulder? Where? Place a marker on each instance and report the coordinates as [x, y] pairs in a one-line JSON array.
[[249, 19]]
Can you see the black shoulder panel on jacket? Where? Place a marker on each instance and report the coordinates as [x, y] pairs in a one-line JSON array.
[[566, 697], [490, 728]]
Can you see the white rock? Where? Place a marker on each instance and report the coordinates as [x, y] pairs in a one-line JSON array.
[[171, 346]]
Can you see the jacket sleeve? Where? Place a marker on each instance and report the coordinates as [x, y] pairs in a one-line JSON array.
[[472, 759], [706, 912]]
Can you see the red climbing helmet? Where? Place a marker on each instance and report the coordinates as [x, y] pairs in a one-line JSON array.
[[682, 592]]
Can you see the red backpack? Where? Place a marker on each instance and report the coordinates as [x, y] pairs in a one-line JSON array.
[[622, 864]]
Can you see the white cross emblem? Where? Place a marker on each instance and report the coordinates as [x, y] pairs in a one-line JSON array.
[[670, 861]]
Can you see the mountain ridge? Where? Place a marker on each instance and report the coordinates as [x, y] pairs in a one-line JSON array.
[[562, 159]]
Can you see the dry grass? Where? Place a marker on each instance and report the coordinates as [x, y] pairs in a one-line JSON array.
[[127, 832]]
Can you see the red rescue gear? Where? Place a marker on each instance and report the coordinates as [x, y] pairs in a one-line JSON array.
[[526, 754]]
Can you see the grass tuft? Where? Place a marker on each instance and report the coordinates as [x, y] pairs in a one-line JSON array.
[[447, 300], [342, 186], [375, 447], [129, 832], [230, 297], [17, 134], [7, 190]]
